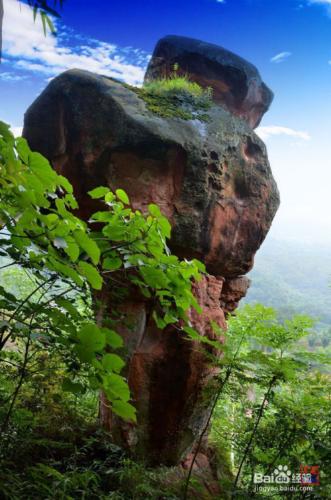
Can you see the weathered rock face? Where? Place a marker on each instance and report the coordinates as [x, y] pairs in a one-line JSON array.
[[167, 375], [236, 84], [232, 292], [213, 181]]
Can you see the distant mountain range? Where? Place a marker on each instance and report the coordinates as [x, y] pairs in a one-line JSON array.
[[293, 278]]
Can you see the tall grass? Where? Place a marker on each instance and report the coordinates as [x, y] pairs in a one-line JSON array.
[[175, 85], [177, 97]]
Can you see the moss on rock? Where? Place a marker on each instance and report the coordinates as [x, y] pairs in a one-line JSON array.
[[176, 97]]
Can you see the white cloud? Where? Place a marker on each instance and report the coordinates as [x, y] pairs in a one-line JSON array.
[[17, 131], [326, 3], [11, 77], [25, 45], [265, 132], [278, 58], [323, 2]]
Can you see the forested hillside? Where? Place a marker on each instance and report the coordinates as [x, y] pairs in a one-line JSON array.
[[294, 278]]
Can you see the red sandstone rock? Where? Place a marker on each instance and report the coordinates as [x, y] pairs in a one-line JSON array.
[[214, 182], [168, 375], [212, 179], [232, 292], [209, 487], [236, 83]]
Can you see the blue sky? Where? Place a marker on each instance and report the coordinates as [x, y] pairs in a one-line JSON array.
[[288, 40]]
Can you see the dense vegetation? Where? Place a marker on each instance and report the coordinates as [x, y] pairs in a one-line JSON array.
[[275, 408], [54, 447], [272, 407], [57, 351]]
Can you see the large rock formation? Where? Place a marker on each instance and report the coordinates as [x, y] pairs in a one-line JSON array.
[[213, 181], [236, 84]]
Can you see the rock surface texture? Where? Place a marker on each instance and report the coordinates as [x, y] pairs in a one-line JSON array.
[[212, 180], [236, 84]]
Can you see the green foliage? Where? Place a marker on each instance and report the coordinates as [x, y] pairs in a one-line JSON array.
[[41, 234], [274, 408], [46, 12], [35, 213], [54, 447], [141, 255], [65, 261], [176, 96]]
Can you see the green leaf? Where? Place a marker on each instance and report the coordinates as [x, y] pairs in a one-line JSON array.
[[67, 305], [72, 250], [98, 192], [43, 19], [94, 382], [23, 149], [65, 270], [50, 25], [122, 196], [60, 242], [71, 201], [63, 181], [51, 220], [160, 323], [73, 387], [124, 410], [116, 232], [88, 245], [154, 210], [192, 333], [91, 340], [91, 274], [170, 318], [42, 169], [112, 263], [153, 277], [113, 339], [112, 362], [116, 387], [109, 198], [199, 265], [195, 336], [165, 226], [35, 11], [5, 132]]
